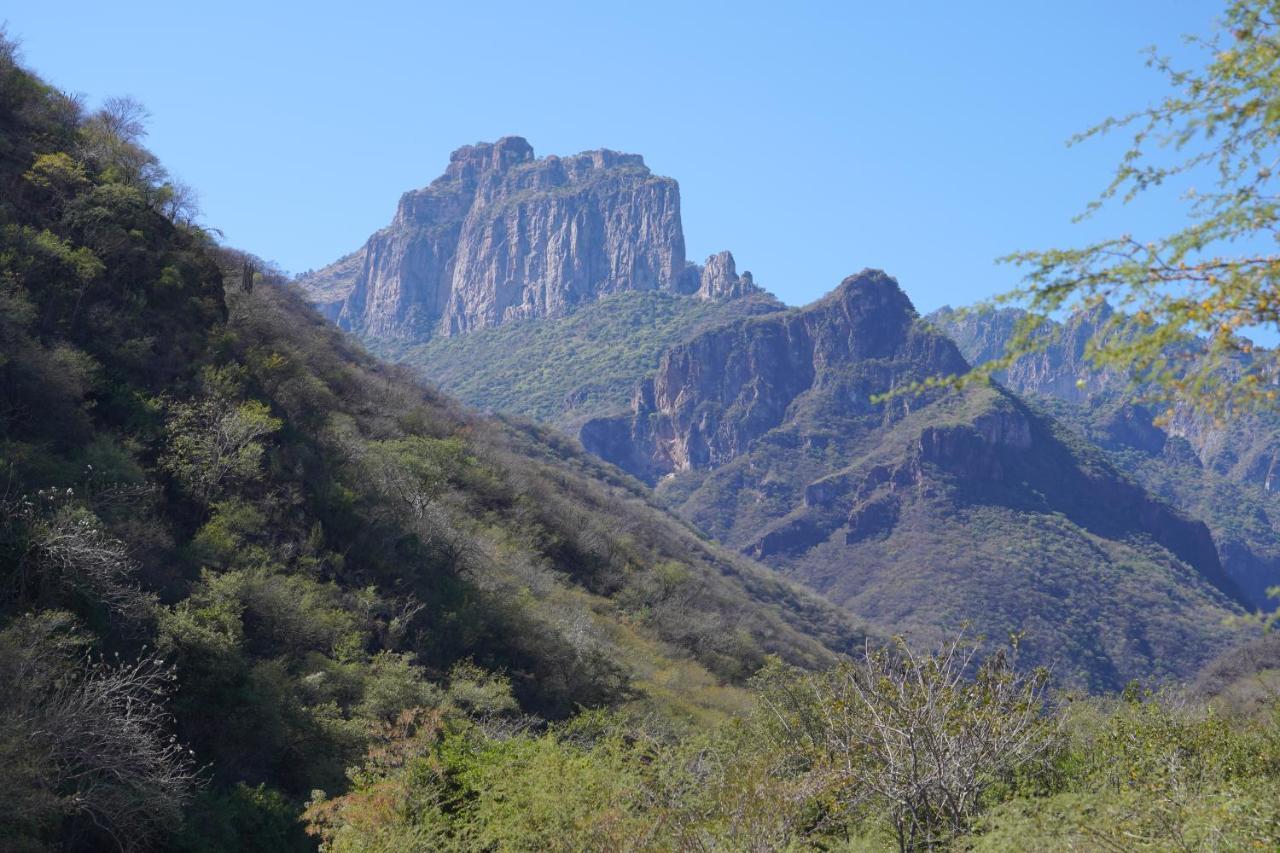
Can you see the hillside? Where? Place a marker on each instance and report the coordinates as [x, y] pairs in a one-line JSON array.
[[1220, 471], [237, 548], [926, 513], [265, 592], [566, 370]]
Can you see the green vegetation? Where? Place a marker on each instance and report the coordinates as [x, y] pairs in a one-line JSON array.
[[235, 548], [1201, 285], [891, 751], [567, 370], [264, 592]]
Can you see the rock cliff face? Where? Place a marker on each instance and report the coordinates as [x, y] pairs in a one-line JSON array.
[[926, 511], [1061, 370], [712, 397], [503, 235]]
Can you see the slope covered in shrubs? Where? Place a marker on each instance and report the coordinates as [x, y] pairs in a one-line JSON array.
[[261, 591], [233, 546]]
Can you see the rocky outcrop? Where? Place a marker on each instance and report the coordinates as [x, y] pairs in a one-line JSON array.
[[503, 235], [719, 279], [713, 396], [1004, 454], [1061, 369], [871, 519]]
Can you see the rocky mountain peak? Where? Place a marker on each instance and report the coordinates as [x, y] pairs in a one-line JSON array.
[[471, 160], [871, 304], [719, 279], [714, 396], [504, 235], [873, 283]]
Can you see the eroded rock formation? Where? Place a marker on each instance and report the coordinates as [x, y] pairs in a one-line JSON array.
[[502, 235]]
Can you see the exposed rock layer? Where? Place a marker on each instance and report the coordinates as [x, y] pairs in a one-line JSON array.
[[503, 235], [926, 511], [713, 396]]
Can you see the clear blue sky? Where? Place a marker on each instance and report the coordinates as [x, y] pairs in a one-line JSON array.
[[812, 139]]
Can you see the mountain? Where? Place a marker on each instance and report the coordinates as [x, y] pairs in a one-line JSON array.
[[540, 287], [236, 548], [923, 513], [568, 369], [760, 423], [502, 235], [1218, 470], [265, 592]]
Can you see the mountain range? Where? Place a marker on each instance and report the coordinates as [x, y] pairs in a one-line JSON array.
[[1218, 469], [556, 289], [264, 590], [237, 549]]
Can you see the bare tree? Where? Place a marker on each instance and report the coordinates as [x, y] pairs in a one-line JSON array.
[[72, 552], [92, 735], [919, 737], [180, 203], [125, 117]]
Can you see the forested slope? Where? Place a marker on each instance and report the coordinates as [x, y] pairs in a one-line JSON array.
[[233, 545], [567, 370]]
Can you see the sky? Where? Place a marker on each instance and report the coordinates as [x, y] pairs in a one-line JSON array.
[[811, 139]]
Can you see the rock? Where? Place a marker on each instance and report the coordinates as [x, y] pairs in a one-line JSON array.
[[503, 235], [871, 519], [787, 538], [713, 396], [719, 279]]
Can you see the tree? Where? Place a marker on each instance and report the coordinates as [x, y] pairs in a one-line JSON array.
[[72, 553], [82, 737], [916, 738], [124, 117], [215, 441], [1186, 296]]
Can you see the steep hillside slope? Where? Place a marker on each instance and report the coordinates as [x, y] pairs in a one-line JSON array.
[[927, 512], [288, 544], [1221, 471], [567, 370]]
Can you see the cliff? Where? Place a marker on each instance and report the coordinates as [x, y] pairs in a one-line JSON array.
[[713, 396], [503, 235], [923, 512]]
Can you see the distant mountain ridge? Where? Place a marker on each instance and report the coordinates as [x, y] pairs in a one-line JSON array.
[[557, 289], [502, 235], [1223, 471], [926, 512]]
